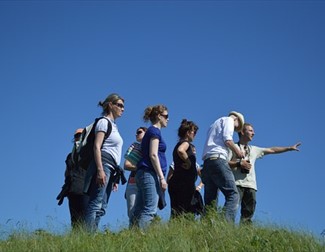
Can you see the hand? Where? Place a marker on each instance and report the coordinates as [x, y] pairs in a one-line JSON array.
[[295, 147], [101, 178], [115, 187], [245, 164], [163, 184], [187, 164]]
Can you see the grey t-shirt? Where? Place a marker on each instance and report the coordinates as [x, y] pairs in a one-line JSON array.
[[248, 179]]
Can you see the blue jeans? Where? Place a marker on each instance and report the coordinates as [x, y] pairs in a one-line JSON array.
[[130, 195], [98, 197], [217, 174], [146, 199]]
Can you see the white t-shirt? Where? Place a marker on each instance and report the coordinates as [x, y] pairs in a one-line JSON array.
[[220, 131], [113, 144], [247, 180]]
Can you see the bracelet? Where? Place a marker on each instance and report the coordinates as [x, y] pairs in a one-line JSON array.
[[238, 163], [162, 178], [199, 187]]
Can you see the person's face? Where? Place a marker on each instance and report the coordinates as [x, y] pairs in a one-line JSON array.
[[77, 137], [163, 117], [248, 133], [191, 135], [117, 108], [139, 134]]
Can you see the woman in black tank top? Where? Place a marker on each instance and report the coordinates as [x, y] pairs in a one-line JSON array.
[[181, 186]]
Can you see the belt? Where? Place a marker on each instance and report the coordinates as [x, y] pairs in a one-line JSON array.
[[214, 157]]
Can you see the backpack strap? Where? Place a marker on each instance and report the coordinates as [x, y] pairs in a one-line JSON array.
[[109, 127]]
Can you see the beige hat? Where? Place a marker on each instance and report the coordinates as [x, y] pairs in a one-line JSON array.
[[240, 119]]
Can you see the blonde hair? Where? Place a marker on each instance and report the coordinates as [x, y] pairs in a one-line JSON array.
[[113, 98], [151, 113]]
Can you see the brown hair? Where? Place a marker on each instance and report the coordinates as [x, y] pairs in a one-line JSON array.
[[113, 98], [151, 113], [143, 128], [244, 127], [185, 127]]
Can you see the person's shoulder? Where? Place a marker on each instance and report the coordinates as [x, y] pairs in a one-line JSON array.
[[257, 149], [153, 131], [137, 145]]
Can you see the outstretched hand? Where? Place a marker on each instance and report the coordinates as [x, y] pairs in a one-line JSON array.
[[295, 147]]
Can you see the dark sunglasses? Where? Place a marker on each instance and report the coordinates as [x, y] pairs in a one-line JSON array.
[[139, 132], [165, 116], [77, 135], [120, 105]]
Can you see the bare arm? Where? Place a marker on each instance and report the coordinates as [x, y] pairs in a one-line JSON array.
[[232, 146], [276, 150], [99, 138], [170, 174], [129, 166], [153, 154]]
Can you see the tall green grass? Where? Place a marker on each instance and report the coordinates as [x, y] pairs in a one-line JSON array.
[[211, 233]]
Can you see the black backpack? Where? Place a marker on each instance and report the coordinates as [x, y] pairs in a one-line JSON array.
[[85, 151]]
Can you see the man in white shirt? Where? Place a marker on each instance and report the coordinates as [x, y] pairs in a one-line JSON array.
[[216, 173], [244, 169]]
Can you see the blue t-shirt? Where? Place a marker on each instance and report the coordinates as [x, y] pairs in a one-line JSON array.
[[145, 162]]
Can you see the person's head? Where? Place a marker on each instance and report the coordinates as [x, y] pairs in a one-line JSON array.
[[156, 115], [113, 104], [187, 130], [140, 133], [77, 134], [247, 132], [238, 119]]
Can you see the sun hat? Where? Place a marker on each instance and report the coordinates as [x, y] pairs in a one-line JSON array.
[[240, 119]]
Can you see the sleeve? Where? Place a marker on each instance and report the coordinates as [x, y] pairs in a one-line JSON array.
[[228, 129], [155, 133], [259, 151], [101, 126]]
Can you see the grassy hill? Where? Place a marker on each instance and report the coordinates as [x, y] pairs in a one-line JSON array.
[[183, 234]]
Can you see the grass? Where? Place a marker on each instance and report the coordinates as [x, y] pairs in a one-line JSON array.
[[211, 233]]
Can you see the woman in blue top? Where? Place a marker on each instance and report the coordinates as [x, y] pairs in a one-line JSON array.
[[150, 176]]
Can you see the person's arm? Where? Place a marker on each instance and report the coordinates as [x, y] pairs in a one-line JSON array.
[[153, 154], [239, 163], [99, 138], [181, 151], [169, 174], [129, 166], [199, 186], [231, 145], [276, 150]]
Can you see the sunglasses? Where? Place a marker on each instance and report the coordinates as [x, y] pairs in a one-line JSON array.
[[165, 116], [194, 132], [139, 132], [120, 105]]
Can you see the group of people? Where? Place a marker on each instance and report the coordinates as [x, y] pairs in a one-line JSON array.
[[227, 166]]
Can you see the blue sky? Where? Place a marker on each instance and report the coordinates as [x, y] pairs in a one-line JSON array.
[[201, 59]]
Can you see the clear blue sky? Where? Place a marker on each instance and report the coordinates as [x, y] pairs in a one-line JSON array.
[[201, 59]]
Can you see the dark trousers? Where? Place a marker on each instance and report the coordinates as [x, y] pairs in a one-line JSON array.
[[180, 198], [77, 207], [248, 203]]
